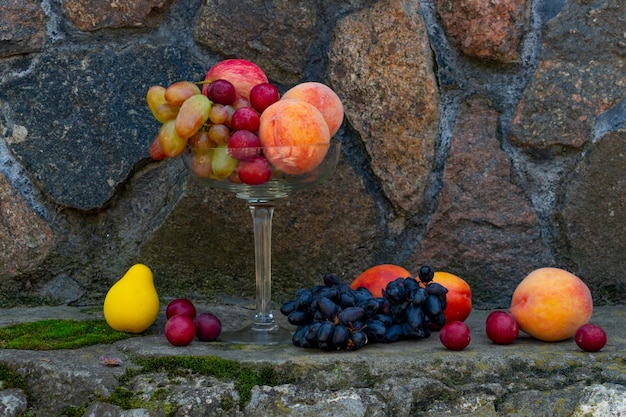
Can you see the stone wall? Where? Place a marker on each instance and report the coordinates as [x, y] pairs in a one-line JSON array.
[[482, 138]]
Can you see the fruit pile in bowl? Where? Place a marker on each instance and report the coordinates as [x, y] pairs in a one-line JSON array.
[[235, 126]]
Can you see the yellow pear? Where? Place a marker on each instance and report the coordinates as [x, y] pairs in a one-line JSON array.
[[132, 303]]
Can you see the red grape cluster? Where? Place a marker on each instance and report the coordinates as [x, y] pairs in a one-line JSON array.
[[218, 124]]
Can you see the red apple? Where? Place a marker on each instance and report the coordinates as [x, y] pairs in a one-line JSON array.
[[501, 328], [208, 327], [180, 330], [241, 73], [180, 306], [455, 335]]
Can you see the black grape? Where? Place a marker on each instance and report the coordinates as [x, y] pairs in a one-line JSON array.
[[298, 318], [398, 312], [426, 274], [325, 346], [384, 318], [439, 320], [346, 299], [304, 299], [433, 305], [369, 306], [439, 290], [414, 333], [394, 333], [375, 330], [318, 316], [327, 307], [311, 334], [395, 291], [331, 280], [333, 316], [411, 284], [288, 307], [362, 294], [358, 340], [418, 296], [328, 292], [341, 336], [384, 306], [343, 288], [415, 316], [350, 315], [299, 338], [325, 332], [409, 332]]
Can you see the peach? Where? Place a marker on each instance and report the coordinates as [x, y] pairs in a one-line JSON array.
[[376, 278], [550, 304], [323, 98], [241, 73], [289, 126], [458, 298]]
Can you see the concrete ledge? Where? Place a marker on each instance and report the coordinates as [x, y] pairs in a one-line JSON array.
[[405, 378]]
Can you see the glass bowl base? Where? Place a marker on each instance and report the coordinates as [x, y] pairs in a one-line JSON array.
[[258, 334]]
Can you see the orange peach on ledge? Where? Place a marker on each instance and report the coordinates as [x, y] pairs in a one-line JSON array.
[[376, 278], [289, 125], [550, 304], [458, 298]]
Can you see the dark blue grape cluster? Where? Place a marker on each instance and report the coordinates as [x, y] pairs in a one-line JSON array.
[[333, 316]]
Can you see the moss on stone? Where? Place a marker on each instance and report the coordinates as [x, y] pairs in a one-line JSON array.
[[227, 404], [127, 400], [73, 411], [58, 334], [245, 377], [11, 379]]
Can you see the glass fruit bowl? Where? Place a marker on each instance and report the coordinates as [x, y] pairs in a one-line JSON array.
[[261, 176], [280, 184]]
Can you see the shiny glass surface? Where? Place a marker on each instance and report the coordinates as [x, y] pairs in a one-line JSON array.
[[261, 200]]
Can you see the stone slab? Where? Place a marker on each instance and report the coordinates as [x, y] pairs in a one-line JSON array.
[[422, 375]]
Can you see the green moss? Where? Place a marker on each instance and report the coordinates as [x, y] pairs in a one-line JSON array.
[[126, 399], [11, 379], [58, 334], [364, 376], [245, 377], [159, 394], [122, 397], [73, 411], [227, 404]]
